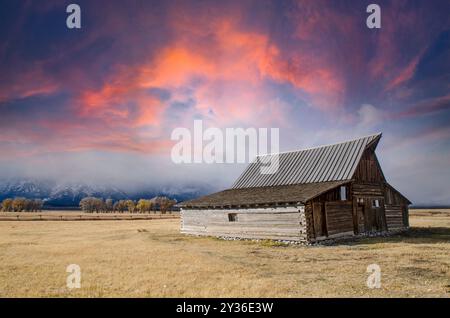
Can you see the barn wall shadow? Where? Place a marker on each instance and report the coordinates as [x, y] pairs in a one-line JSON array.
[[415, 235]]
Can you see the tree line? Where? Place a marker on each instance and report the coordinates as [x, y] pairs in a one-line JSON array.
[[21, 204], [93, 204], [98, 205]]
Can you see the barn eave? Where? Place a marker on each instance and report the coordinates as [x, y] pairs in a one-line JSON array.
[[290, 195]]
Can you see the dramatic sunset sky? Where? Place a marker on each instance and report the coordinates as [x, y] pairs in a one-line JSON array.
[[100, 103]]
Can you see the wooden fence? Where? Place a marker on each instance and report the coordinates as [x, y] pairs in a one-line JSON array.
[[85, 217]]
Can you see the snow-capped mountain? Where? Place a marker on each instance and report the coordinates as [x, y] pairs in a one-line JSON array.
[[70, 193], [25, 188]]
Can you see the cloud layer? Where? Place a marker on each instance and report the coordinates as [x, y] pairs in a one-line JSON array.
[[137, 70]]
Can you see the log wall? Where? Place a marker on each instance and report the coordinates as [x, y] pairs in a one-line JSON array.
[[278, 223], [366, 189], [397, 215], [394, 216]]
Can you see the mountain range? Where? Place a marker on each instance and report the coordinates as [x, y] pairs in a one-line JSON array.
[[69, 194]]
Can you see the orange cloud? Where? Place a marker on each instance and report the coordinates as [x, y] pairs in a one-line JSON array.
[[123, 100], [324, 86], [224, 68], [233, 61]]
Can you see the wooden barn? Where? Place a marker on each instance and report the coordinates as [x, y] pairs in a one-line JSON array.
[[316, 194]]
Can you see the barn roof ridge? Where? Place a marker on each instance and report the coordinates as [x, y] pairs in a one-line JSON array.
[[321, 146], [334, 162]]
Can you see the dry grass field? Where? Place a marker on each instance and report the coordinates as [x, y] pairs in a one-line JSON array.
[[152, 259]]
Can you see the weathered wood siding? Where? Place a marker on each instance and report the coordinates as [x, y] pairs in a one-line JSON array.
[[397, 215], [364, 189], [310, 233], [374, 217], [339, 217], [327, 216], [369, 169], [367, 187], [278, 223], [394, 216], [335, 220]]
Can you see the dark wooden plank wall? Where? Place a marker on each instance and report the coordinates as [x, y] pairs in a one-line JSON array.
[[364, 189], [374, 217], [328, 216], [394, 216], [369, 169], [358, 213], [319, 219], [368, 186], [397, 214], [339, 217]]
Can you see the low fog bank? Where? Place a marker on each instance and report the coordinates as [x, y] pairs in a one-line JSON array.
[[131, 173]]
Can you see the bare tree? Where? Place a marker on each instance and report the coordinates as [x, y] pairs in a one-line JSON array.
[[86, 205], [92, 204], [109, 205], [166, 204], [144, 205], [99, 205], [28, 205], [131, 206], [7, 205], [19, 204], [120, 206], [37, 205], [155, 203]]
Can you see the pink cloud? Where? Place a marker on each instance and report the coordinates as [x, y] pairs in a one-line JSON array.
[[226, 77], [406, 74], [426, 107], [31, 82], [224, 68]]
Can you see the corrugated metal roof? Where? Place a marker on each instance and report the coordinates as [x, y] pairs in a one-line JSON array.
[[335, 162], [262, 195]]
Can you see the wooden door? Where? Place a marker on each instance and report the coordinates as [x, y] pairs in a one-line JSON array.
[[370, 217], [320, 228], [374, 216], [381, 216]]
